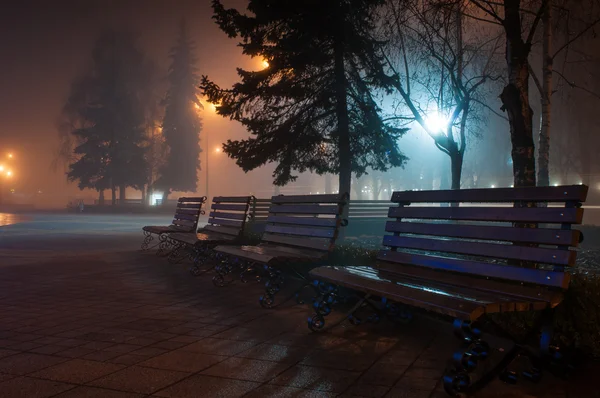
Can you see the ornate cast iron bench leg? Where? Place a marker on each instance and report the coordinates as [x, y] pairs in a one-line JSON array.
[[474, 349], [273, 284], [225, 265], [164, 246], [148, 237]]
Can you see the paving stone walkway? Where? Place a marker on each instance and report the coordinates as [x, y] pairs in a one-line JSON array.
[[128, 324]]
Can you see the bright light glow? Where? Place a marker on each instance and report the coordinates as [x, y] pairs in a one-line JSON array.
[[155, 197], [9, 173], [213, 107], [512, 185], [265, 63], [493, 186], [197, 106], [1, 168], [10, 155], [217, 149], [555, 184], [437, 123]]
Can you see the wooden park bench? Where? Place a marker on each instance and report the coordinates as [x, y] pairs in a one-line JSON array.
[[298, 229], [186, 216], [227, 219], [466, 262]]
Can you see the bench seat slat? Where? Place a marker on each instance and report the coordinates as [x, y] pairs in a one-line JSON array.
[[369, 282], [263, 253], [510, 289], [498, 271], [230, 216], [301, 231], [219, 206], [501, 251], [193, 212], [313, 221], [201, 237], [309, 199], [185, 223], [576, 193], [487, 232], [461, 303], [507, 214], [184, 216], [159, 229], [305, 209], [317, 244], [229, 223], [222, 229]]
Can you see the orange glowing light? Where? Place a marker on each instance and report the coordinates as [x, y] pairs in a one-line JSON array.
[[1, 168], [10, 155], [197, 106], [213, 107], [265, 63], [9, 173], [217, 149]]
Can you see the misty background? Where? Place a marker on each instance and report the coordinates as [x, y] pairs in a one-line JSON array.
[[44, 46]]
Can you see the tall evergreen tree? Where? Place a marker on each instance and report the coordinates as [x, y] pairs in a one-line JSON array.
[[182, 124], [109, 104], [314, 107]]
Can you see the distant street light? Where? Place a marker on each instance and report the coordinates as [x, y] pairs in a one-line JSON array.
[[265, 64], [10, 155], [9, 173]]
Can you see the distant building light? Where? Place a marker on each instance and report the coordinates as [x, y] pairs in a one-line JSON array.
[[555, 184], [511, 185], [493, 186]]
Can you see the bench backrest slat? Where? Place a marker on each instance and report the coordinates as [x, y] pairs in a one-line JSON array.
[[478, 268], [305, 221], [575, 193], [505, 251], [228, 214], [488, 232], [506, 214], [512, 242], [187, 213]]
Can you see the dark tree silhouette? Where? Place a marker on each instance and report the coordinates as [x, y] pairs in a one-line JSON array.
[[182, 124], [313, 108], [107, 110]]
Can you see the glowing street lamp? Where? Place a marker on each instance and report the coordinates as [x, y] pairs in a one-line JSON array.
[[265, 64], [436, 123], [1, 168], [9, 173], [217, 150]]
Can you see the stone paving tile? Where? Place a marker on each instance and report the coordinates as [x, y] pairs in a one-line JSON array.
[[77, 371], [139, 379], [94, 392], [5, 353], [122, 348], [383, 374], [309, 377], [200, 386], [276, 353], [23, 363], [48, 349], [246, 369], [365, 390], [128, 359], [74, 352], [101, 355], [27, 387], [403, 392], [273, 391], [183, 361], [219, 347], [6, 376]]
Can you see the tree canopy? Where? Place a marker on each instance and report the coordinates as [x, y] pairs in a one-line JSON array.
[[107, 107], [315, 106], [181, 124]]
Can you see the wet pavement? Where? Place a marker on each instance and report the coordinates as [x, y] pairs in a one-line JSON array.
[[83, 313]]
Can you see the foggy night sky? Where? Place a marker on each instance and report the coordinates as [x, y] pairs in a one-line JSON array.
[[44, 45]]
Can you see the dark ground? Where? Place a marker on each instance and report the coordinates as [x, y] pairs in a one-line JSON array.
[[83, 313]]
